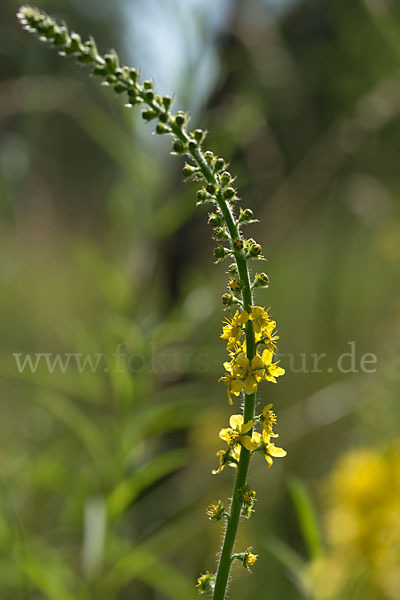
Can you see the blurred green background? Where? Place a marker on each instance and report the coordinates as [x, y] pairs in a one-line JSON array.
[[105, 472]]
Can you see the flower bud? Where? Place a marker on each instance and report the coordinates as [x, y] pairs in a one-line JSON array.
[[61, 37], [245, 215], [233, 269], [215, 220], [161, 129], [119, 88], [91, 48], [134, 75], [249, 500], [220, 252], [180, 118], [148, 114], [148, 95], [192, 145], [227, 299], [148, 85], [229, 193], [99, 70], [201, 196], [75, 44], [211, 188], [216, 511], [238, 244], [225, 178], [255, 250], [199, 135], [219, 165], [261, 280], [112, 62], [206, 583], [221, 233], [178, 147], [209, 156], [188, 170], [166, 102]]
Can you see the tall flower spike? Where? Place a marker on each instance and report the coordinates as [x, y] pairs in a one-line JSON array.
[[247, 368]]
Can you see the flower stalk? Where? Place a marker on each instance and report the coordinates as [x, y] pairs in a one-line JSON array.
[[247, 367]]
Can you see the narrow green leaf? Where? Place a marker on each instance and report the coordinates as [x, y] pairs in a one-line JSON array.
[[307, 516]]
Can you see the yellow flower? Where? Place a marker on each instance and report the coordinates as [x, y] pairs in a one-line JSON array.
[[216, 511], [260, 318], [253, 442], [249, 559], [234, 385], [232, 329], [268, 336], [269, 450], [235, 434], [271, 369], [229, 457], [269, 419], [234, 284], [250, 372]]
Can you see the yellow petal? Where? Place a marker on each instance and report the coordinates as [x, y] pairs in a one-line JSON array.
[[266, 436], [248, 442], [266, 409], [275, 451], [269, 460], [236, 386], [236, 452], [242, 361], [228, 366], [257, 362], [247, 426], [250, 385], [270, 378], [243, 318], [224, 434], [276, 371], [236, 421], [267, 356]]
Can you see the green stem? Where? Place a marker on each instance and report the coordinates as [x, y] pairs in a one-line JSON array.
[[225, 561]]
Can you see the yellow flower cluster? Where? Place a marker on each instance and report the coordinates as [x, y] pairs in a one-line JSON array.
[[240, 434], [362, 528], [244, 374]]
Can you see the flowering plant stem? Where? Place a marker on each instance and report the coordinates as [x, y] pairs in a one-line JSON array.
[[247, 367], [225, 561]]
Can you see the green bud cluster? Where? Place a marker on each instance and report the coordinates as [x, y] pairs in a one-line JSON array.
[[204, 166]]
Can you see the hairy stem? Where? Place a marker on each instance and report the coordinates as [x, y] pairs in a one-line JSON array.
[[225, 560]]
